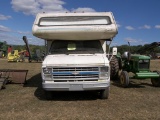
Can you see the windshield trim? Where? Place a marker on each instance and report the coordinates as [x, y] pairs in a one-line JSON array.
[[83, 50]]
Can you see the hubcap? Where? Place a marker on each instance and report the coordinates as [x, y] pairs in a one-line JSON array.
[[122, 79]]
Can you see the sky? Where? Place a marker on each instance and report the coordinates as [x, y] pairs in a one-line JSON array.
[[138, 20]]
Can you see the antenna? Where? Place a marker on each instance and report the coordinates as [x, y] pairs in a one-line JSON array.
[[129, 53], [129, 46]]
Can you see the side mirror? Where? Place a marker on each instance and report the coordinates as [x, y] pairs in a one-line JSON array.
[[114, 51]]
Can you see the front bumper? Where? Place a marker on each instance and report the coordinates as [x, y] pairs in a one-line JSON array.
[[146, 75], [75, 86]]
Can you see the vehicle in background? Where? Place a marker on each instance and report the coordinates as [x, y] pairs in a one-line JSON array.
[[16, 56], [138, 65], [3, 49]]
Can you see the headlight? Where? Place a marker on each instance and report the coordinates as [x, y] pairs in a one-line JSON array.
[[104, 73], [47, 70], [47, 76], [104, 69]]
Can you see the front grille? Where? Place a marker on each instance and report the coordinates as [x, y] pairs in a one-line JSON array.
[[75, 74], [143, 65]]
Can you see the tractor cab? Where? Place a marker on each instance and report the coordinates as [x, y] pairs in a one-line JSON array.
[[135, 62]]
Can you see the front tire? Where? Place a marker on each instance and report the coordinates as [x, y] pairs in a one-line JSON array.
[[124, 79], [156, 81], [49, 95], [104, 94]]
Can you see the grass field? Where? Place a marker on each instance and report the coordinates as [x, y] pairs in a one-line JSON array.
[[141, 101]]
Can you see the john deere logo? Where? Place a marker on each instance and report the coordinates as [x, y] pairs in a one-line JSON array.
[[75, 73]]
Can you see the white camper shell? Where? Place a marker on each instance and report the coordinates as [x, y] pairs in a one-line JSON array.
[[76, 51], [75, 26]]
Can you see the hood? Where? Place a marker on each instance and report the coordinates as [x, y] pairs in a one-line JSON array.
[[69, 60]]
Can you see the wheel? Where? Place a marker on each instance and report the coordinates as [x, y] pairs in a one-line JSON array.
[[114, 63], [104, 94], [29, 60], [156, 81], [124, 79], [49, 95], [1, 54]]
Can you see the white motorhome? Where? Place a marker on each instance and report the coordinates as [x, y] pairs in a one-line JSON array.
[[76, 51]]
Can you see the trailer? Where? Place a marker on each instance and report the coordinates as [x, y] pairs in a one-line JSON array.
[[12, 76]]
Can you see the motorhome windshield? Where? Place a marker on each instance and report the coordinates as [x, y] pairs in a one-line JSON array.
[[76, 47]]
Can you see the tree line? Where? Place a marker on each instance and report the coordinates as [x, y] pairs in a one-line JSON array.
[[121, 49], [32, 48], [135, 49]]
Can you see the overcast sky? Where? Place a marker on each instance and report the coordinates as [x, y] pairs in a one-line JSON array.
[[138, 20]]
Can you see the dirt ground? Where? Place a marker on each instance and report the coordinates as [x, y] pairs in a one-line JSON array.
[[141, 101]]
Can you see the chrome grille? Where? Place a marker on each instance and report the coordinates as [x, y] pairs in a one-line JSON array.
[[75, 69], [75, 74]]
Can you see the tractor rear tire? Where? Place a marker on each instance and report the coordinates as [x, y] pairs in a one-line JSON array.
[[156, 81], [114, 63], [124, 79]]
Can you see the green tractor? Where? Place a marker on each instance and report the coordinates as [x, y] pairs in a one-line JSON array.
[[138, 64], [3, 49]]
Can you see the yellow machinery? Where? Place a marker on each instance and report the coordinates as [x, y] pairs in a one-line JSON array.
[[16, 56], [13, 57]]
